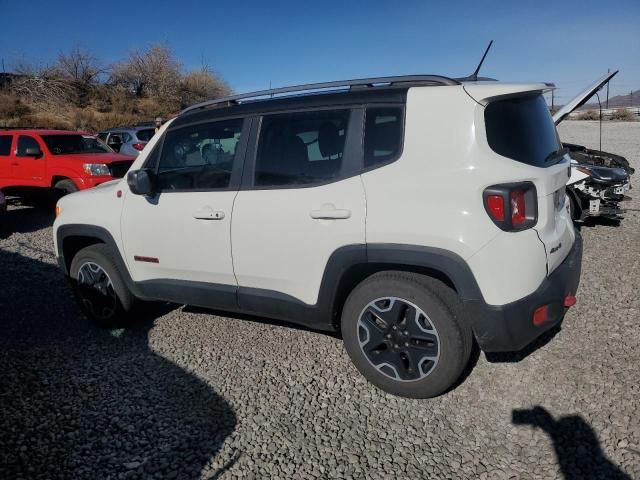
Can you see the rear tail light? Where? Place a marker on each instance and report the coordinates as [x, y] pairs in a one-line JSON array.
[[512, 206], [139, 146], [495, 207]]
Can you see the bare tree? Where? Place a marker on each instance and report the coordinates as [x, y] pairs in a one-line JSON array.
[[80, 65], [202, 84]]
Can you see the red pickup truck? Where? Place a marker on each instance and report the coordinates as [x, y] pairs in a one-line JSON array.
[[59, 159]]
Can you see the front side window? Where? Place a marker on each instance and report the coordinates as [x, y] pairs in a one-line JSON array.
[[25, 143], [521, 128], [5, 145], [301, 148], [73, 144], [382, 135], [199, 156]]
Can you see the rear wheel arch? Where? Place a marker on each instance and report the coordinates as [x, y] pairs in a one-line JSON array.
[[442, 265]]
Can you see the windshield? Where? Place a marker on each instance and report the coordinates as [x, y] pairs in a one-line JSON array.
[[521, 128], [71, 144]]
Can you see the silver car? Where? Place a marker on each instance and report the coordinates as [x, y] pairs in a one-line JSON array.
[[129, 140]]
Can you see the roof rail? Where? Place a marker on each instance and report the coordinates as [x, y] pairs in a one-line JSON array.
[[362, 82]]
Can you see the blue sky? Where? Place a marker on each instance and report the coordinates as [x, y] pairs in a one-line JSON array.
[[252, 44]]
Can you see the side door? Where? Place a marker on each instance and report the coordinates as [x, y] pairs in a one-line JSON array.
[[29, 164], [5, 158], [177, 242], [115, 140], [301, 201]]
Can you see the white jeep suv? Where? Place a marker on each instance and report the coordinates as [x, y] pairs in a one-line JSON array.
[[416, 215]]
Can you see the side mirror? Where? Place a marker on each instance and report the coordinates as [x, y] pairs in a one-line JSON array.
[[33, 152], [140, 182]]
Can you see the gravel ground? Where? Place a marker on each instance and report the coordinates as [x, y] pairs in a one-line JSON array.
[[192, 394]]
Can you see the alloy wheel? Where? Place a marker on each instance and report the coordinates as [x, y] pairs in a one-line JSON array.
[[398, 339], [96, 290]]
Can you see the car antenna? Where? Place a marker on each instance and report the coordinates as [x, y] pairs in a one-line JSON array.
[[474, 76]]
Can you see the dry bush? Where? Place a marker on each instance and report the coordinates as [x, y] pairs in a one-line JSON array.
[[45, 120], [75, 91], [589, 115], [150, 108], [623, 114], [154, 72], [12, 107], [201, 85]]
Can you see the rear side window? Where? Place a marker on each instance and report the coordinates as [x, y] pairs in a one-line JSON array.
[[103, 136], [301, 148], [382, 135], [5, 145], [200, 156], [146, 134], [521, 128]]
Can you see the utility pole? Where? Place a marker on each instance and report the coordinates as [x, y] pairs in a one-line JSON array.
[[607, 103], [552, 102]]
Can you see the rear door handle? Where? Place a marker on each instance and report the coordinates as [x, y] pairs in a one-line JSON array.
[[330, 214], [207, 213]]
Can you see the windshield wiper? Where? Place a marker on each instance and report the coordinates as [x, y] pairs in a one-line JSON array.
[[556, 154]]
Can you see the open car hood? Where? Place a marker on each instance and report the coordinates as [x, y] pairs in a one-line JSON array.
[[582, 97]]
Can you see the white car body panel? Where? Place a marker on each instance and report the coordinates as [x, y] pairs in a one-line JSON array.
[[186, 248], [277, 245]]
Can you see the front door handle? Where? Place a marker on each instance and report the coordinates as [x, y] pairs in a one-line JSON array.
[[330, 214], [208, 213]]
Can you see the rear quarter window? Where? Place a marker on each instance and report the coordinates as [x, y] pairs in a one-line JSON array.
[[382, 135], [146, 134], [521, 128]]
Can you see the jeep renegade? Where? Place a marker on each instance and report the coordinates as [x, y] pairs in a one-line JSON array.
[[415, 215]]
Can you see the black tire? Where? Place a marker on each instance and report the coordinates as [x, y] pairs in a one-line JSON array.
[[442, 310], [118, 300], [65, 187]]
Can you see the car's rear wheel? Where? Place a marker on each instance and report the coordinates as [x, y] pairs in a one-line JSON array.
[[100, 288], [404, 333]]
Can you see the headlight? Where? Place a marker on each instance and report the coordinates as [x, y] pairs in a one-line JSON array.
[[96, 169]]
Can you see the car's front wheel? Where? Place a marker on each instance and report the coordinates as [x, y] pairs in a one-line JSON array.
[[65, 187], [100, 288], [404, 333]]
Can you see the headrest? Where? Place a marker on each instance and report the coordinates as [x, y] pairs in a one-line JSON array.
[[329, 140]]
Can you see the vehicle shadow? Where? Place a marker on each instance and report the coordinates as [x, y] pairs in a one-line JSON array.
[[82, 402], [22, 217], [576, 445]]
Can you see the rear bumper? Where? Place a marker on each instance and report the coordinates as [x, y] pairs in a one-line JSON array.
[[509, 327]]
